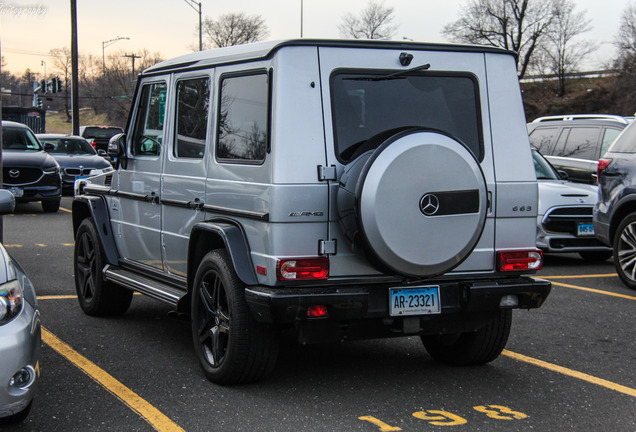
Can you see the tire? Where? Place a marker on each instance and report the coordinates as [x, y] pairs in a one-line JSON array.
[[51, 206], [625, 251], [232, 347], [475, 348], [595, 256], [416, 205], [17, 417], [96, 296]]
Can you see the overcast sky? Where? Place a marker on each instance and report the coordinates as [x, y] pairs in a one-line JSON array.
[[30, 29]]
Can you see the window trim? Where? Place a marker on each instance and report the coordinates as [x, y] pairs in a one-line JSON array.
[[173, 150], [238, 74], [134, 117], [367, 71]]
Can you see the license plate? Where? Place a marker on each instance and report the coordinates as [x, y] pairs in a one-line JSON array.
[[414, 301], [17, 192], [585, 229]]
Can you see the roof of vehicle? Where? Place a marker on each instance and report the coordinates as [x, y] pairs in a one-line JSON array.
[[577, 117], [54, 135], [262, 50], [14, 124]]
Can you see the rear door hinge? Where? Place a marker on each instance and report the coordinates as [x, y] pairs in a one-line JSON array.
[[327, 173], [327, 247]]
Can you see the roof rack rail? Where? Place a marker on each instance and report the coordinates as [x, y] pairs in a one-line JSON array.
[[570, 117]]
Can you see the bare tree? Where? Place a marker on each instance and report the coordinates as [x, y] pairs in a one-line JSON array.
[[374, 22], [561, 52], [626, 37], [518, 25], [623, 93], [62, 64], [234, 29]]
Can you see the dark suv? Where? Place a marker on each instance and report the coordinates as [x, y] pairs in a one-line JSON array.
[[28, 171], [575, 143], [98, 136], [615, 212]]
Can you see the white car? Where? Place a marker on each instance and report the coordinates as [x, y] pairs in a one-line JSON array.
[[564, 217]]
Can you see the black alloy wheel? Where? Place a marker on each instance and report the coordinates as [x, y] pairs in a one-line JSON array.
[[625, 251], [96, 296], [232, 347]]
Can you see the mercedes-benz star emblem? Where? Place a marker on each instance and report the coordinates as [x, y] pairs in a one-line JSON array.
[[429, 204]]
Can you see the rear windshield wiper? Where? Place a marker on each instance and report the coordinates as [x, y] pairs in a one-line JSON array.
[[395, 75]]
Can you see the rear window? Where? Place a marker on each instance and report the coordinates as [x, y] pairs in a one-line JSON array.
[[102, 132], [626, 142], [367, 104], [543, 139]]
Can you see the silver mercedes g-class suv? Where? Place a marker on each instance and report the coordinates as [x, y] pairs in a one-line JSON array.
[[339, 188]]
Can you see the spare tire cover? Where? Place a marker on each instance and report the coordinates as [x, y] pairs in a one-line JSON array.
[[417, 203]]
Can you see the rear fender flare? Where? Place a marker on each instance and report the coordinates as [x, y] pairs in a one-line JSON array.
[[210, 235]]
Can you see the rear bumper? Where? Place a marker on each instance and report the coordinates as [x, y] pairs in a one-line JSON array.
[[352, 303]]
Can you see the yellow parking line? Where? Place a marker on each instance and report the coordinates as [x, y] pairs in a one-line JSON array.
[[57, 297], [66, 210], [594, 290], [579, 276], [149, 413], [569, 372]]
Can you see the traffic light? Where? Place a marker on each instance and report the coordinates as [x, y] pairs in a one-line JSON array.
[[59, 86], [39, 102], [43, 86]]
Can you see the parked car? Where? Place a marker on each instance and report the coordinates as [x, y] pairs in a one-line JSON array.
[[98, 136], [340, 189], [615, 212], [575, 143], [20, 334], [29, 172], [564, 220], [76, 157]]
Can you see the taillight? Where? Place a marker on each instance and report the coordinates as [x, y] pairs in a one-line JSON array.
[[94, 144], [302, 268], [519, 260], [602, 164]]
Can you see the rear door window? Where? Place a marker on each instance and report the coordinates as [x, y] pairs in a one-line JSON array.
[[366, 104], [582, 143], [193, 102]]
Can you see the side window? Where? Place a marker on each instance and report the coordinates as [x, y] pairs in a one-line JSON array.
[[582, 143], [193, 102], [148, 132], [243, 127], [543, 139], [608, 138]]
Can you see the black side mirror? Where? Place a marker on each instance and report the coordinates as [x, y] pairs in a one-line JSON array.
[[49, 147], [102, 153], [117, 150], [564, 175]]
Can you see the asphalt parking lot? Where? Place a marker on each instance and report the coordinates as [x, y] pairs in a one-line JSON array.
[[568, 366]]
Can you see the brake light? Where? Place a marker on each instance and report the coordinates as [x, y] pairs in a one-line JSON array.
[[94, 144], [602, 164], [302, 268], [520, 260]]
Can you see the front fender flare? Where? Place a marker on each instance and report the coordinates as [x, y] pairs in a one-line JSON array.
[[95, 207]]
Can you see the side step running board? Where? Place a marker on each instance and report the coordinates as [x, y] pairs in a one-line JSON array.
[[145, 285]]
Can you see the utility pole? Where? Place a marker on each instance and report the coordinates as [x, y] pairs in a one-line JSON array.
[[194, 5], [74, 70], [133, 57]]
